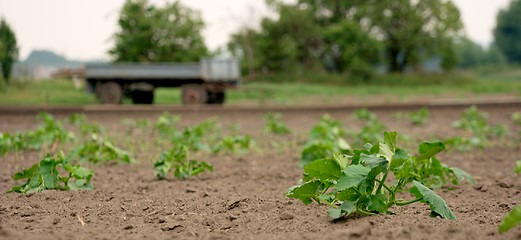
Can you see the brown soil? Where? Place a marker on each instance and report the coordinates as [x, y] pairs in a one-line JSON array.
[[244, 197]]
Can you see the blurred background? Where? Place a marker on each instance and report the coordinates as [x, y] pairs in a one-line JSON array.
[[290, 52]]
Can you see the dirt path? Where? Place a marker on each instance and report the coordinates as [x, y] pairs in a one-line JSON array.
[[244, 197]]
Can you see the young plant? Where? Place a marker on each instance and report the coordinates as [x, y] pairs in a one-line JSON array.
[[516, 117], [419, 117], [363, 114], [235, 144], [166, 124], [357, 183], [275, 125], [513, 218], [100, 150], [85, 128], [325, 138], [45, 175], [369, 133], [476, 124], [199, 137], [178, 160], [50, 132]]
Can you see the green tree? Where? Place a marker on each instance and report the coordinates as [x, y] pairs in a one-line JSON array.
[[8, 49], [471, 54], [151, 34], [508, 31], [410, 31]]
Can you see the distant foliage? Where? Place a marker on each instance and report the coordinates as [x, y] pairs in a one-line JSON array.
[[8, 49], [508, 31], [151, 34], [350, 37]]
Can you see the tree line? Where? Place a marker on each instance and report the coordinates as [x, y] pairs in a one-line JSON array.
[[355, 37]]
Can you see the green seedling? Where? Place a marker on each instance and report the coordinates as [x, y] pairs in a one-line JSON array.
[[419, 117], [84, 127], [49, 133], [100, 150], [363, 114], [358, 182], [177, 159], [516, 117], [512, 219], [475, 123], [166, 124], [235, 144], [199, 137], [517, 169], [45, 175], [275, 125], [325, 138]]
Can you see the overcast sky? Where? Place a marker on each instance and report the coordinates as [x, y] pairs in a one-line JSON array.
[[82, 29]]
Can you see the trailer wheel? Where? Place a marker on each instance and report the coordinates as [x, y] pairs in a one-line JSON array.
[[216, 97], [142, 97], [194, 94], [110, 93]]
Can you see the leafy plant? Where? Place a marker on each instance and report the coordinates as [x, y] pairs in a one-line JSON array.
[[275, 125], [46, 175], [357, 182], [199, 137], [100, 150], [419, 117], [512, 219], [363, 114], [371, 130], [325, 138], [177, 159], [476, 124], [84, 127], [166, 124], [234, 144], [516, 117], [50, 132]]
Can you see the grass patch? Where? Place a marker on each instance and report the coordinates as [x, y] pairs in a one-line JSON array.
[[269, 91]]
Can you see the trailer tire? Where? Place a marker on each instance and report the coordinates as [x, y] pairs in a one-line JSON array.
[[194, 94], [110, 93], [142, 97], [216, 97]]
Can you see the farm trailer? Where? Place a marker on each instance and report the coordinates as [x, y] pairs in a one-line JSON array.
[[201, 83]]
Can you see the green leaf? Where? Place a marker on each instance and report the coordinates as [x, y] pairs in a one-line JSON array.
[[305, 192], [316, 150], [341, 160], [462, 175], [390, 140], [400, 156], [386, 151], [347, 208], [436, 203], [335, 213], [517, 170], [324, 170], [352, 176], [430, 149], [512, 219], [372, 161], [378, 203], [343, 145]]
